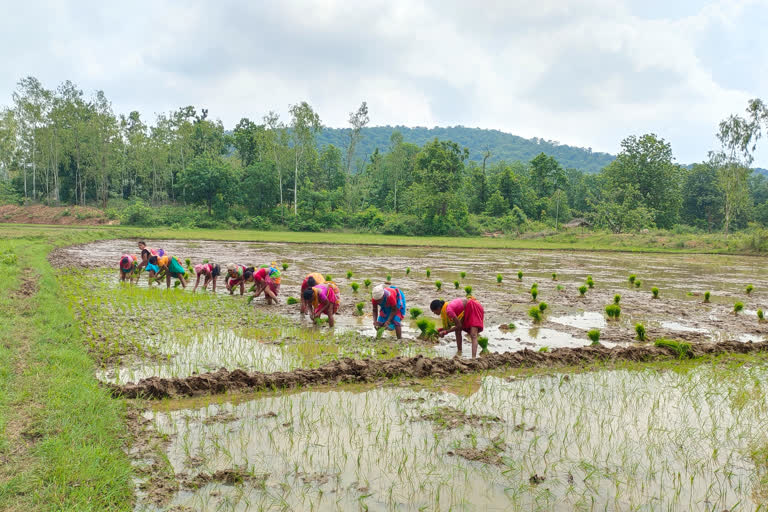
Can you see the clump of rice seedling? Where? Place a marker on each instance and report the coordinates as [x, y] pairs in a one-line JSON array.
[[380, 332], [554, 276], [616, 298], [176, 283], [680, 348], [360, 306], [544, 349], [416, 313], [407, 270], [638, 284], [613, 311], [519, 275], [367, 283], [456, 284], [543, 306], [582, 290], [463, 274], [499, 278], [594, 336], [291, 300], [427, 328], [329, 277], [349, 274], [590, 282], [706, 296], [760, 315], [534, 292], [640, 330], [535, 314], [738, 307], [285, 266], [438, 285], [511, 326], [655, 292], [483, 342], [632, 278], [355, 286], [749, 289], [468, 290], [429, 272], [389, 278]]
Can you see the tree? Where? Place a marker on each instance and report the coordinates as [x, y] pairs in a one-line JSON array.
[[208, 180], [8, 134], [732, 178], [497, 205], [276, 140], [546, 175], [739, 135], [305, 125], [30, 100], [358, 120], [702, 197], [247, 138]]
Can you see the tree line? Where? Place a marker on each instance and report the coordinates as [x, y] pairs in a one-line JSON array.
[[63, 147]]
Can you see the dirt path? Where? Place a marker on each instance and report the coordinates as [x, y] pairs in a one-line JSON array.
[[349, 370]]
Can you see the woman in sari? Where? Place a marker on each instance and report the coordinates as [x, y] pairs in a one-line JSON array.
[[172, 267], [388, 308], [323, 299], [235, 277], [311, 280], [129, 267], [267, 280], [210, 271], [460, 315]]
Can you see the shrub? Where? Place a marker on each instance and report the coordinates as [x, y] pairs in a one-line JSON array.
[[456, 284], [680, 348], [429, 272], [594, 336], [616, 298], [519, 275], [554, 276], [291, 300], [535, 314], [468, 290], [349, 274], [355, 286], [706, 296], [416, 313], [655, 292], [543, 306], [499, 278], [463, 274], [613, 311], [640, 330], [749, 289], [360, 306], [738, 307], [438, 285], [632, 278], [582, 290], [367, 283]]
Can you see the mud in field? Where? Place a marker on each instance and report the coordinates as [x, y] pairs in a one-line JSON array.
[[678, 313], [349, 370]]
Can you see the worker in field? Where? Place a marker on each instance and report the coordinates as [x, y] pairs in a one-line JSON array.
[[129, 267], [267, 280], [460, 315], [170, 266], [388, 308], [323, 299], [148, 252], [210, 272], [310, 280], [236, 277]]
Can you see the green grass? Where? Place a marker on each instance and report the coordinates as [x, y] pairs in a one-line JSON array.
[[682, 349]]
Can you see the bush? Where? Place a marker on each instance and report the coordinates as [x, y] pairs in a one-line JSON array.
[[139, 214]]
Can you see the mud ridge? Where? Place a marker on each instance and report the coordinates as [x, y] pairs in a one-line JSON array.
[[366, 370]]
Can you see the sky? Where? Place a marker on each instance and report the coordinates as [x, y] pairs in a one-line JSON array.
[[581, 72]]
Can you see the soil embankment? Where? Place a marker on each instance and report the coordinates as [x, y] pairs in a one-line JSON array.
[[350, 370], [57, 215]]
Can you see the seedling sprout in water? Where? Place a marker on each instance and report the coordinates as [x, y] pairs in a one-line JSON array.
[[534, 293], [616, 298], [640, 330], [738, 307], [499, 278], [291, 300], [360, 306], [355, 286], [456, 284], [582, 290], [367, 283], [655, 292], [349, 274], [535, 314], [329, 277], [749, 289], [416, 313], [438, 285], [519, 275], [594, 336], [463, 274], [707, 296], [389, 278], [468, 290]]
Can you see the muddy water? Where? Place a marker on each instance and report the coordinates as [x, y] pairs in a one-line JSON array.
[[611, 440], [678, 313]]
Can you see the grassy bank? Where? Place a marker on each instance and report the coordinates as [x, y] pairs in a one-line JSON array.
[[61, 435], [747, 242]]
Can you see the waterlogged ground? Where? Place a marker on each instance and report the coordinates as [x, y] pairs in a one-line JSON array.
[[611, 440]]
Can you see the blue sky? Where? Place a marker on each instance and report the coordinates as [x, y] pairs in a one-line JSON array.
[[582, 72]]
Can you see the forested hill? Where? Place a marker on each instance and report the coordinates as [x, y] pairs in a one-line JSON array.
[[503, 146]]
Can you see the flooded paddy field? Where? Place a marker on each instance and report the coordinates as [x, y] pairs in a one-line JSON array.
[[655, 438]]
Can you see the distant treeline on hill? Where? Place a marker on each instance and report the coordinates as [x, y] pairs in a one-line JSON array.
[[503, 146]]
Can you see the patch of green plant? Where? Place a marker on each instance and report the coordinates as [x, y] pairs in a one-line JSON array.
[[499, 278], [389, 278], [407, 270], [559, 287], [328, 277], [360, 306], [616, 298], [640, 331], [707, 295], [519, 275], [429, 272], [738, 307], [655, 292], [285, 266], [463, 274], [483, 342], [511, 326], [681, 348], [590, 282], [355, 286], [534, 292], [438, 285], [632, 278], [536, 314], [426, 328], [468, 290], [416, 313], [583, 290], [594, 336], [749, 289], [544, 349], [291, 300], [367, 283], [554, 276], [543, 306], [613, 311], [760, 315], [349, 274], [638, 283]]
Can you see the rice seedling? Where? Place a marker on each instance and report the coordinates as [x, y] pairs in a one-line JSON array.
[[544, 349], [534, 293], [511, 326], [681, 349], [590, 282], [291, 300], [429, 272], [594, 336], [543, 306], [483, 342], [760, 315], [367, 283], [499, 278], [738, 307], [613, 311], [536, 314], [355, 286], [426, 328], [638, 283], [582, 290], [407, 270], [328, 277], [519, 275], [707, 295], [468, 290], [285, 267], [749, 289], [416, 313], [616, 298], [632, 278], [463, 274], [655, 292], [554, 276], [389, 278], [438, 285], [640, 331], [559, 287], [360, 306], [456, 284], [349, 274]]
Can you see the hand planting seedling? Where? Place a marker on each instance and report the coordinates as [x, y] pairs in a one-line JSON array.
[[655, 292], [594, 336], [416, 313], [640, 330]]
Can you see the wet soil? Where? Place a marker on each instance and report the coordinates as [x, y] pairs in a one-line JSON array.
[[349, 370], [448, 418]]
